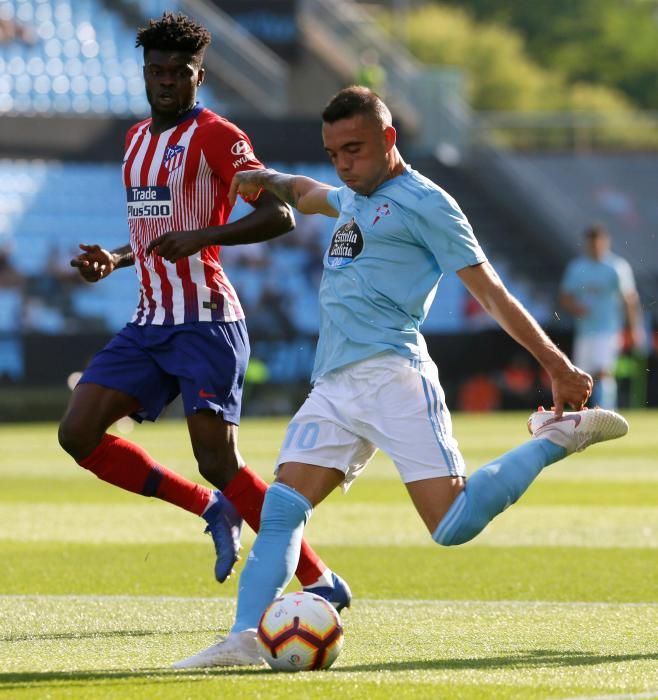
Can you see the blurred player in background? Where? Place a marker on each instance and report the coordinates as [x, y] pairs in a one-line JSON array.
[[598, 290], [375, 385], [188, 334]]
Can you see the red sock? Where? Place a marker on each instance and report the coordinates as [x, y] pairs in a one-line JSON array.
[[124, 464], [246, 491]]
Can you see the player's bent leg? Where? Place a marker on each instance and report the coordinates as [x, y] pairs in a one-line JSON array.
[[270, 566], [433, 497], [92, 409], [497, 485], [273, 559], [225, 528], [246, 491], [215, 446], [492, 489]]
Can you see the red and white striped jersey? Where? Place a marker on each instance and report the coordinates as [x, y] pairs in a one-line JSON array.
[[176, 181]]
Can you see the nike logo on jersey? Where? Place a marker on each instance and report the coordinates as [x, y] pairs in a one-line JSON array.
[[205, 395]]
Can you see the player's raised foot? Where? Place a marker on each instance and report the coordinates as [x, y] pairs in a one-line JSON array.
[[338, 594], [225, 526], [237, 649], [576, 430]]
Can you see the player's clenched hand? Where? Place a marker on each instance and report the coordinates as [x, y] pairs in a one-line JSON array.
[[176, 245], [572, 387], [94, 263], [247, 184]]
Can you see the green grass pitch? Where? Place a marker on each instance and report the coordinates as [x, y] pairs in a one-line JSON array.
[[100, 591]]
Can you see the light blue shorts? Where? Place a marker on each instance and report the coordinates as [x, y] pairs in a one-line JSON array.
[[385, 402]]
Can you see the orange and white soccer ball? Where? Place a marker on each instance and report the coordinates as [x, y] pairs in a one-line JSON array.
[[300, 632]]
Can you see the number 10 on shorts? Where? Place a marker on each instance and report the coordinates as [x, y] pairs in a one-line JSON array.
[[302, 437]]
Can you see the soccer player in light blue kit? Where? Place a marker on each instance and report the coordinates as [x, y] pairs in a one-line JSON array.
[[374, 383], [598, 290]]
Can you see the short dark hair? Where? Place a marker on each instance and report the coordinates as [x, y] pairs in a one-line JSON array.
[[596, 231], [174, 32], [353, 100]]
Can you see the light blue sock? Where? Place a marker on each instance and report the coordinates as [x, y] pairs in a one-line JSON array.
[[274, 557], [493, 488]]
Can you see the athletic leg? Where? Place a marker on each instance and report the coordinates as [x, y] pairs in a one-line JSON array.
[[215, 446], [246, 491], [83, 434], [497, 485], [597, 355], [271, 563], [455, 512]]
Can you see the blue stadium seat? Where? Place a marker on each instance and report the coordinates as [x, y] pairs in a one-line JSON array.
[[11, 302], [11, 358], [83, 60]]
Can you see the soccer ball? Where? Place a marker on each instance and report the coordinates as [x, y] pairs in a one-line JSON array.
[[300, 632]]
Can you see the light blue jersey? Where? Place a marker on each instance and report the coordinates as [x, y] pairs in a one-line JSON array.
[[381, 270], [600, 286]]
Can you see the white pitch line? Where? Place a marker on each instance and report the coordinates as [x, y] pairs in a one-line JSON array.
[[369, 601]]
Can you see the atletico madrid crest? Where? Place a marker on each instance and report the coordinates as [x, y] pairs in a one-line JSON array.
[[173, 157]]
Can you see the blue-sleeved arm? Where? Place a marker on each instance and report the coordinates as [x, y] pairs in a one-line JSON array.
[[571, 280]]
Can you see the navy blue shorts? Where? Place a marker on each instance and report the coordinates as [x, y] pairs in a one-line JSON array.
[[205, 362]]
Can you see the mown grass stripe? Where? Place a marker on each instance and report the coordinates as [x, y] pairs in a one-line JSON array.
[[481, 573], [366, 601], [334, 523]]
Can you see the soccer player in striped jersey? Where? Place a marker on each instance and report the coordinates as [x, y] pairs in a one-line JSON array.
[[374, 384], [188, 334]]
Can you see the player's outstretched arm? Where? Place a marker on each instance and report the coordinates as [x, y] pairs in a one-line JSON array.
[[96, 263], [570, 385], [271, 218], [306, 195]]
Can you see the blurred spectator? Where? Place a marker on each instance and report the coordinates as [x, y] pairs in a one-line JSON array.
[[9, 276], [38, 316], [11, 31], [270, 317], [598, 290]]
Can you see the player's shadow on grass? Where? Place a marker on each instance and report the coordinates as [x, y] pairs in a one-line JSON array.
[[536, 658], [10, 681], [91, 635], [531, 659]]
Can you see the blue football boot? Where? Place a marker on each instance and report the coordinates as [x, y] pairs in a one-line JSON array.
[[225, 526], [339, 594]]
